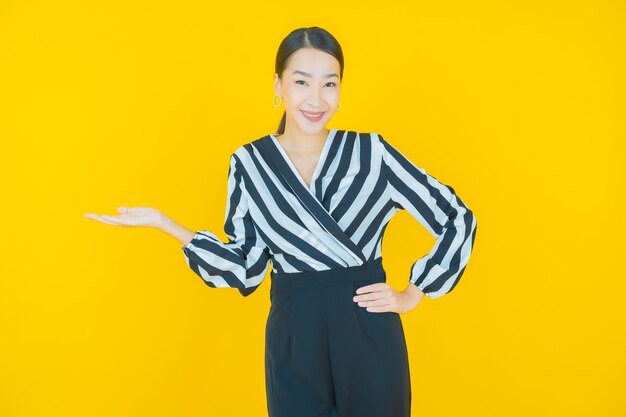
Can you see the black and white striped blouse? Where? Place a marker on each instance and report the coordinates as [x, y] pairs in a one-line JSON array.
[[358, 185]]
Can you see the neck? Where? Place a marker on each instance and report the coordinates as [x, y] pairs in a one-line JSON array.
[[302, 141]]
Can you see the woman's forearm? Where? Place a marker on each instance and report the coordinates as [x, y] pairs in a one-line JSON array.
[[176, 230]]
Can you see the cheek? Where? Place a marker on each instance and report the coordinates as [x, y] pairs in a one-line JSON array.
[[331, 96], [289, 101], [295, 96]]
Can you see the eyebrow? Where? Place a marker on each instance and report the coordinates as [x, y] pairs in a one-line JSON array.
[[306, 74]]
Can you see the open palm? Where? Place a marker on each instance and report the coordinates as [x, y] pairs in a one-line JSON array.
[[131, 216]]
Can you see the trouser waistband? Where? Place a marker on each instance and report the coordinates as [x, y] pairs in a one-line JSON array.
[[370, 271]]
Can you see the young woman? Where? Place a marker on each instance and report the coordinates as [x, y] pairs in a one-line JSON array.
[[316, 203]]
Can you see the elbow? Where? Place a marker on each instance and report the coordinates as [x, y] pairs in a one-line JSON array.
[[473, 227], [469, 223], [246, 291]]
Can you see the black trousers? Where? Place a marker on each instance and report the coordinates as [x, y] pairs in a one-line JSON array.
[[326, 356]]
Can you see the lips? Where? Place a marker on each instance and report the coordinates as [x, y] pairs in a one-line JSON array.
[[313, 116]]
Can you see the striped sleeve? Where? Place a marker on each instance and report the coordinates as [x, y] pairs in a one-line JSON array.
[[240, 263], [436, 207]]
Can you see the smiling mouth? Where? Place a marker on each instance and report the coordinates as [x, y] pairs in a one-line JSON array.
[[313, 116]]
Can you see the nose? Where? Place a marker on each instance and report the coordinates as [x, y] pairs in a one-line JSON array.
[[314, 98]]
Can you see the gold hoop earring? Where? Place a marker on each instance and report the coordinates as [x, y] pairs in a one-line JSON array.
[[337, 107], [274, 100]]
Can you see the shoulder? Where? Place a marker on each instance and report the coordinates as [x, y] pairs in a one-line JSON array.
[[244, 155], [246, 149], [381, 143], [375, 140], [369, 142], [355, 135], [373, 137]]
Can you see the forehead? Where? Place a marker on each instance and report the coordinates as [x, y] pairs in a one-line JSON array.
[[313, 61]]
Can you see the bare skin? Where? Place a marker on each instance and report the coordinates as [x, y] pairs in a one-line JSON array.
[[310, 83], [145, 217]]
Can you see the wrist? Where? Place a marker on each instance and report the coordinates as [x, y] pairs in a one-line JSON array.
[[165, 224], [413, 291]]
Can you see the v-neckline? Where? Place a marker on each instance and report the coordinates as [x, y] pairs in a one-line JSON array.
[[292, 181], [318, 166]]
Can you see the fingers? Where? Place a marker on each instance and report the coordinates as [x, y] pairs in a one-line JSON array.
[[378, 297], [375, 303], [373, 291], [374, 298], [101, 219], [381, 309], [372, 287], [121, 220], [379, 305]]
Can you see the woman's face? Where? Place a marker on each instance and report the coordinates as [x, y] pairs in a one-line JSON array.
[[310, 83]]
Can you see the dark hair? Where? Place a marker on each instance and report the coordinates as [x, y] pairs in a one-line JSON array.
[[311, 37]]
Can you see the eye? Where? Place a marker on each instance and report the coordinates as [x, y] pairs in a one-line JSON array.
[[302, 81]]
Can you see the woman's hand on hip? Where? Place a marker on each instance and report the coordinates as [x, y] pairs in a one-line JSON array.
[[381, 297]]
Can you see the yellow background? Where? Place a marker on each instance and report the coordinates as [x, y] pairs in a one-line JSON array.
[[518, 105]]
